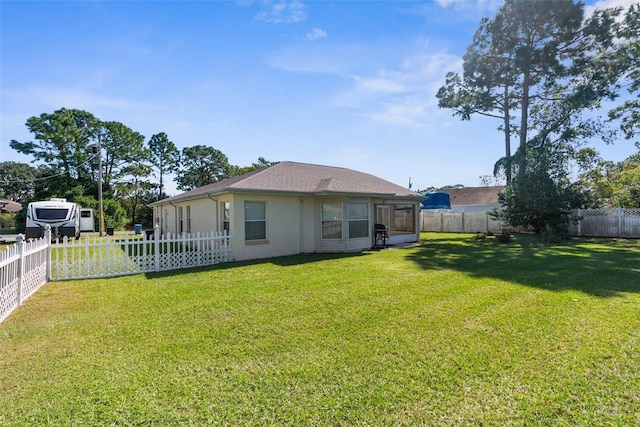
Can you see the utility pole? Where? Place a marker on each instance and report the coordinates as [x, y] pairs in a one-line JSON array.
[[101, 206]]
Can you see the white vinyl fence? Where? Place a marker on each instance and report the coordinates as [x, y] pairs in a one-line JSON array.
[[122, 255], [27, 265], [607, 223], [23, 270], [459, 222], [619, 222]]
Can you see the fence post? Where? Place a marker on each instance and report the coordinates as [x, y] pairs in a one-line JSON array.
[[20, 245], [47, 236], [579, 222], [156, 246], [620, 222]]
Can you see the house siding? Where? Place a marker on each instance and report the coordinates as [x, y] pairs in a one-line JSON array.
[[292, 194], [284, 227]]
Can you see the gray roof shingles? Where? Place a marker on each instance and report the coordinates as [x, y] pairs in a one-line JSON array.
[[301, 178]]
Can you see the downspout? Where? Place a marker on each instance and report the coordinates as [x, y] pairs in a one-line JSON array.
[[217, 222], [302, 223]]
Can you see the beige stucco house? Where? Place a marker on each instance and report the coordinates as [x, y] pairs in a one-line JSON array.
[[290, 208]]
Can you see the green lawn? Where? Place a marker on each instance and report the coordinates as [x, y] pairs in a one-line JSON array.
[[452, 332]]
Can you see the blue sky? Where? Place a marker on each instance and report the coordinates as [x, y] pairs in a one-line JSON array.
[[340, 83]]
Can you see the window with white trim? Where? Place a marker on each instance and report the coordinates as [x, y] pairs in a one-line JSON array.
[[180, 220], [358, 220], [255, 221], [332, 220]]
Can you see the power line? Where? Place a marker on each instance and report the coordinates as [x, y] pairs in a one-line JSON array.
[[44, 178]]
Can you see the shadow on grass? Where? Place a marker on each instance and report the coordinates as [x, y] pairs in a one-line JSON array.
[[603, 268], [283, 261]]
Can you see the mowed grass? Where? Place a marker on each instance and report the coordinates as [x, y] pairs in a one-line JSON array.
[[452, 332]]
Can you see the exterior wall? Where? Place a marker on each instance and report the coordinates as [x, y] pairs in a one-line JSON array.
[[293, 224], [285, 227], [204, 216]]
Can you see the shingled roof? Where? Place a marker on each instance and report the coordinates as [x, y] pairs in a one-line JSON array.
[[474, 195], [300, 178], [9, 206]]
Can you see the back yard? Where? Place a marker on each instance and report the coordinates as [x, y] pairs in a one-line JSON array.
[[454, 331]]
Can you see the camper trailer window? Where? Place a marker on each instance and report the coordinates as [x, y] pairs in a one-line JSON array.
[[51, 214], [85, 213]]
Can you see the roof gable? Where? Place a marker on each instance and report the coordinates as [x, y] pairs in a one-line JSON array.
[[301, 178]]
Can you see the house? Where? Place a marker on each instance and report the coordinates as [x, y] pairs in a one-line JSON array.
[[9, 206], [290, 208], [474, 199]]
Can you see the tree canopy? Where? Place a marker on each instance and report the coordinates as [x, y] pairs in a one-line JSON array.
[[544, 70]]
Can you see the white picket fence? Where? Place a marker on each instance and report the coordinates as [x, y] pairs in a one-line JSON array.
[[23, 270], [121, 255], [617, 222], [27, 265]]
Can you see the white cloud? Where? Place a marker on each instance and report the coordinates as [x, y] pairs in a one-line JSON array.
[[283, 12], [466, 4], [316, 34], [403, 96], [606, 4]]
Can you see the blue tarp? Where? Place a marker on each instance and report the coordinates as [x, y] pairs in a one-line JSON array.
[[436, 200]]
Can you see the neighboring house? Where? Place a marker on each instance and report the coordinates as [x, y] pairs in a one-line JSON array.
[[9, 206], [474, 199], [290, 208]]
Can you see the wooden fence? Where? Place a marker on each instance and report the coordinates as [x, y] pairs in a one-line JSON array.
[[27, 265], [624, 223]]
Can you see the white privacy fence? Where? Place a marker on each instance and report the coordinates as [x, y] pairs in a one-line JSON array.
[[618, 222], [607, 223], [459, 222], [27, 265]]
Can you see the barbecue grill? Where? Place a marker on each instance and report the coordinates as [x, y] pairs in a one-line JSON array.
[[380, 234]]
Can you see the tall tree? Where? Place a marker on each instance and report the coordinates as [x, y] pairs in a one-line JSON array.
[[122, 148], [487, 87], [201, 165], [164, 156], [627, 66], [534, 58], [62, 141], [134, 188]]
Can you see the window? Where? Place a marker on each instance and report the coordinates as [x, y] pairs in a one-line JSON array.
[[50, 214], [226, 216], [404, 219], [358, 220], [332, 220], [255, 221], [189, 219], [180, 220]]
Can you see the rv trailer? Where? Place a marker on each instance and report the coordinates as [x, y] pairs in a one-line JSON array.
[[62, 216]]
